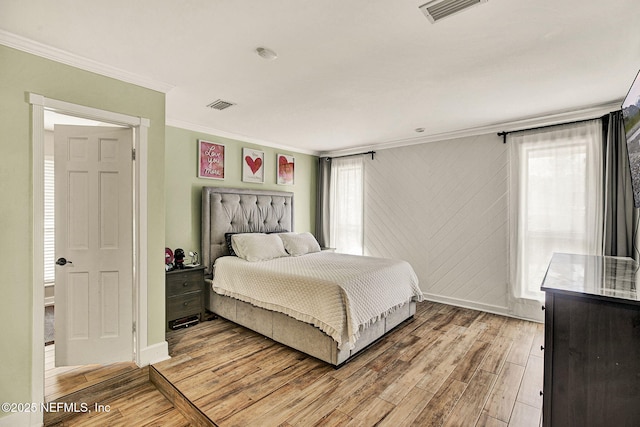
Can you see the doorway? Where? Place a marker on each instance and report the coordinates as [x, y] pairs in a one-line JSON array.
[[39, 104], [67, 139]]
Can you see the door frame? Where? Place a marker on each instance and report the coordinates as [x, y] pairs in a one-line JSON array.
[[141, 126]]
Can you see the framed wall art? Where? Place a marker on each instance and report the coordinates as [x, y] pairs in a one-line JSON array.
[[252, 165], [286, 166], [210, 160]]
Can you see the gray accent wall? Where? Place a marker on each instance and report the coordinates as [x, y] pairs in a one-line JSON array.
[[443, 207]]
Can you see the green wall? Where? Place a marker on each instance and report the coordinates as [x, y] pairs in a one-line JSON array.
[[21, 73], [183, 187], [173, 192]]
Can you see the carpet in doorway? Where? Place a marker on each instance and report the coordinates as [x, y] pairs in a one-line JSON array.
[[48, 325]]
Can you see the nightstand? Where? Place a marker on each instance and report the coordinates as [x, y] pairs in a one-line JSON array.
[[184, 294]]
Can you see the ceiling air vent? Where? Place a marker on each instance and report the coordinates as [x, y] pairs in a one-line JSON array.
[[440, 9], [219, 104]]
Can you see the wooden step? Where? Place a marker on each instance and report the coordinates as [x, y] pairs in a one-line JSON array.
[[190, 411], [98, 394]]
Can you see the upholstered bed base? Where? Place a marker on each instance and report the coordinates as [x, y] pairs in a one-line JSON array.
[[300, 335], [243, 210]]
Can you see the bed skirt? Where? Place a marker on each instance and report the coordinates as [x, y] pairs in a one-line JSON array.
[[300, 335]]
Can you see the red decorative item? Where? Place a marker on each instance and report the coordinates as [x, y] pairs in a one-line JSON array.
[[254, 165], [168, 256], [168, 259], [285, 169]]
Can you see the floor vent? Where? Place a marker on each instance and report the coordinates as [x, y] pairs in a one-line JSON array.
[[219, 104], [440, 9]]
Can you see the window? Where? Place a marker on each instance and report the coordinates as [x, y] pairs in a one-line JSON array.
[[49, 223], [347, 204], [556, 199]]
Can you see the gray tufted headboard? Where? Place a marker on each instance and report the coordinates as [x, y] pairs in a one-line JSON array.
[[226, 210]]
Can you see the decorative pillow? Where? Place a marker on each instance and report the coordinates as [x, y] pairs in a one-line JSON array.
[[227, 239], [299, 243], [257, 246]]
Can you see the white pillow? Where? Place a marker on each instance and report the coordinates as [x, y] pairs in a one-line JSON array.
[[257, 246], [299, 243]]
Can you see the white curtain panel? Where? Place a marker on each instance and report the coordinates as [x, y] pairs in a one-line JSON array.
[[556, 202], [347, 205]]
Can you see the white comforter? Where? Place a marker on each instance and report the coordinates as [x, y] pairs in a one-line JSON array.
[[340, 294]]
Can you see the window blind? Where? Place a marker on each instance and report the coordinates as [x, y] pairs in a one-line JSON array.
[[49, 222]]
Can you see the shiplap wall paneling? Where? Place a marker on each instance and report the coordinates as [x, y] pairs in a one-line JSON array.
[[443, 207]]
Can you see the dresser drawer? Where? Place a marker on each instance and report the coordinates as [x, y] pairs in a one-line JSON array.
[[184, 305], [180, 283]]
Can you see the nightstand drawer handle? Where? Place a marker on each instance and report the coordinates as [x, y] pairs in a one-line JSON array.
[[186, 304], [185, 284]]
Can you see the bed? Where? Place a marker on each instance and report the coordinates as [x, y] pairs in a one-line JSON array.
[[350, 304]]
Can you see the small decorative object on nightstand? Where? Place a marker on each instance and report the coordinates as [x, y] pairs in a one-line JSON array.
[[184, 297]]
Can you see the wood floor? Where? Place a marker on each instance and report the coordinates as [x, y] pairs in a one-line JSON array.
[[64, 380], [142, 406], [136, 403], [447, 367]]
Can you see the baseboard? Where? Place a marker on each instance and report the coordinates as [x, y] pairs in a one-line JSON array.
[[154, 353], [489, 308], [21, 419]]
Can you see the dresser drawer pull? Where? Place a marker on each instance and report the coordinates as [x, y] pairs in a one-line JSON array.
[[541, 348], [186, 303], [543, 308], [185, 284]]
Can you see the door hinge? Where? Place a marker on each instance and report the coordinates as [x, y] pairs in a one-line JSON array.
[[133, 154], [134, 327]]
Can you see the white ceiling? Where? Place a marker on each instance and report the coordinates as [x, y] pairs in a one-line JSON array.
[[349, 73]]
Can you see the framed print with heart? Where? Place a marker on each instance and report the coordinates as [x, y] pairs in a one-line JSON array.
[[252, 165], [285, 169]]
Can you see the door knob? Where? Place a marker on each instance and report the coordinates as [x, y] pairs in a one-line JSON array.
[[63, 261]]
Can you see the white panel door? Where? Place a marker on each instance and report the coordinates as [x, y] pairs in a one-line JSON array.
[[94, 245]]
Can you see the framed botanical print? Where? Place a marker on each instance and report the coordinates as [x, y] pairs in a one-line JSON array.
[[252, 165]]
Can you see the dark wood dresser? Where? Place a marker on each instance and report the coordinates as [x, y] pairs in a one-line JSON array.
[[592, 342], [184, 297]]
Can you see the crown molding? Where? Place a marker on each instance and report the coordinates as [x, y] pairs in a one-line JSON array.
[[241, 138], [558, 118], [49, 52]]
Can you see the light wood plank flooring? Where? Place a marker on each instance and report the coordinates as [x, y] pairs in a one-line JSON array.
[[449, 366], [140, 405], [64, 380]]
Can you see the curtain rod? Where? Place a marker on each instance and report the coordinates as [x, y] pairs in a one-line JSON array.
[[504, 134], [355, 154]]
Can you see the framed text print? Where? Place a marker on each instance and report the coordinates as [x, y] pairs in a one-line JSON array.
[[210, 160], [252, 165], [285, 169]]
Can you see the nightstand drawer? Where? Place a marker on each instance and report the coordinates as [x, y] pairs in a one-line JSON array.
[[180, 283], [184, 294], [184, 305]]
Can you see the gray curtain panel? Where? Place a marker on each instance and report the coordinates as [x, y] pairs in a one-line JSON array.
[[619, 211], [322, 202]]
